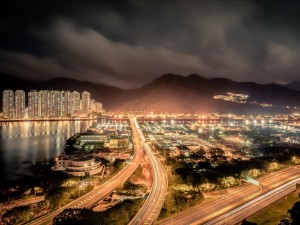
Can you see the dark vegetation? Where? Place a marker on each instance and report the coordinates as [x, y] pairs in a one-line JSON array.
[[292, 217], [120, 214], [197, 173]]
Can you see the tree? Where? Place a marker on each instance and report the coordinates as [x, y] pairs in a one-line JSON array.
[[228, 182], [169, 203], [204, 165], [120, 214], [118, 164], [37, 190], [18, 215], [27, 192], [69, 150], [179, 200], [284, 222], [246, 222], [294, 213], [217, 154], [207, 187], [272, 166], [59, 199], [254, 173]]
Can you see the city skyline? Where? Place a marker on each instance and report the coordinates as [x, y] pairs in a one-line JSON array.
[[130, 43], [47, 104], [201, 117]]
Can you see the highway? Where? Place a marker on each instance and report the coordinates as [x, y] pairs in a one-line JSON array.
[[154, 202], [103, 190], [236, 197], [244, 211]]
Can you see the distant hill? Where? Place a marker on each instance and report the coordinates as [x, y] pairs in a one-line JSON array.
[[293, 85], [194, 93], [175, 93]]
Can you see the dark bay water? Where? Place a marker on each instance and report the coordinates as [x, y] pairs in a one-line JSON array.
[[26, 143]]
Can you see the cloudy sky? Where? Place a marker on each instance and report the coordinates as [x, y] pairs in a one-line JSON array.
[[128, 44]]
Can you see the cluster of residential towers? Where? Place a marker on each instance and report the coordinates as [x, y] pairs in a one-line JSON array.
[[47, 104]]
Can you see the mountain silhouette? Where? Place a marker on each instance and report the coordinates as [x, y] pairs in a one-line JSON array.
[[175, 93], [293, 85]]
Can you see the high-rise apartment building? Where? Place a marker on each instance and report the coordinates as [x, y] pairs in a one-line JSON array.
[[8, 104], [66, 103], [33, 104], [75, 102], [99, 107], [19, 104], [44, 104], [55, 104], [47, 104], [86, 96], [92, 105]]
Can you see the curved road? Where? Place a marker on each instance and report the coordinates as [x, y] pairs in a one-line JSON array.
[[103, 190], [244, 211], [207, 211], [153, 205]]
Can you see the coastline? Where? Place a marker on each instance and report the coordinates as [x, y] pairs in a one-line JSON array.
[[49, 119]]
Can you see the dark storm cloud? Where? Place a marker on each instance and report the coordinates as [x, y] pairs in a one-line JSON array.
[[128, 44]]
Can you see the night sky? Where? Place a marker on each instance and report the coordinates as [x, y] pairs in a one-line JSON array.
[[128, 44]]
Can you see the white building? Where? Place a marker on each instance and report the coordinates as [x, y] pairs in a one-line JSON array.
[[19, 104], [44, 104], [33, 103], [56, 106], [78, 165], [86, 96], [99, 107], [47, 104], [8, 104], [92, 105], [75, 102], [66, 104]]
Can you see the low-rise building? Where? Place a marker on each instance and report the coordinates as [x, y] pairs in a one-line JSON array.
[[78, 165], [116, 143], [183, 150], [91, 138]]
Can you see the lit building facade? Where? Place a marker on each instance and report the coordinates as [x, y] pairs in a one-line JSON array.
[[8, 104], [44, 104], [33, 104], [75, 102], [47, 104], [86, 97], [98, 107], [66, 104], [92, 105], [19, 104], [56, 106]]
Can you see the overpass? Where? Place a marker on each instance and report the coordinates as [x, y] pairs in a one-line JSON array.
[[155, 200], [236, 197], [244, 211]]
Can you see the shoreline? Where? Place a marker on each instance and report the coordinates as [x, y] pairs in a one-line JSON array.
[[47, 119]]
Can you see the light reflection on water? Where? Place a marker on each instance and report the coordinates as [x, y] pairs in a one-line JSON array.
[[23, 143]]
